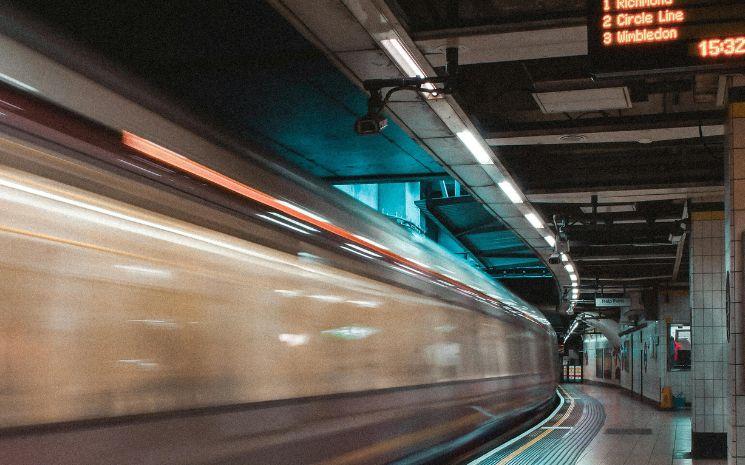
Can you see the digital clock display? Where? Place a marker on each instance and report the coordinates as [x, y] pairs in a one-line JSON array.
[[630, 35]]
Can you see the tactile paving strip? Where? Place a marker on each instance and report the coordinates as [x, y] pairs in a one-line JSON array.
[[560, 440]]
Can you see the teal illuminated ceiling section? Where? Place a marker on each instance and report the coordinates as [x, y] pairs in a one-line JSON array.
[[311, 123], [249, 72]]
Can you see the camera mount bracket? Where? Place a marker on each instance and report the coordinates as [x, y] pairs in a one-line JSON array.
[[373, 122]]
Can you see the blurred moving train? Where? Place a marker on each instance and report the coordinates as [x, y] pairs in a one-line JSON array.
[[168, 300]]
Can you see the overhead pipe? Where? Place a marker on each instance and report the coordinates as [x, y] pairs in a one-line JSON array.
[[607, 327]]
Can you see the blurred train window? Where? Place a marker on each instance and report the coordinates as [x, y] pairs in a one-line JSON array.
[[679, 347]]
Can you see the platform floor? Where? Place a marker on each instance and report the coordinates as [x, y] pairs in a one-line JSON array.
[[602, 426], [669, 441]]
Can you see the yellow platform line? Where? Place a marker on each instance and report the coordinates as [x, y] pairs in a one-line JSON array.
[[545, 433]]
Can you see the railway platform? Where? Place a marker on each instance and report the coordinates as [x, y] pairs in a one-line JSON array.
[[597, 425]]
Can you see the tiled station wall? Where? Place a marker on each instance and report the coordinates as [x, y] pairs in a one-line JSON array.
[[647, 378], [708, 323]]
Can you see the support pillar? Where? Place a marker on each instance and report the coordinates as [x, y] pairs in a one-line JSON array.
[[709, 420], [734, 230]]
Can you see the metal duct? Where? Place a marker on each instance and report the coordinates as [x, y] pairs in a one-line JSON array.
[[609, 328]]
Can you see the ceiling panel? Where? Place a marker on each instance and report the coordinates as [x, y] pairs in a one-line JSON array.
[[473, 175]]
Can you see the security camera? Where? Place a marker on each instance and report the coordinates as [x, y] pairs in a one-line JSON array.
[[370, 124], [555, 258]]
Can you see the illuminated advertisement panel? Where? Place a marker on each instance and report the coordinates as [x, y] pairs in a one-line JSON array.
[[631, 35]]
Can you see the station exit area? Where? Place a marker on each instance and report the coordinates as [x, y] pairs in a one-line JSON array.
[[362, 232]]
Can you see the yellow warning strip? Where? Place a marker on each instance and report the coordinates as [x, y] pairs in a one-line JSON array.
[[545, 433]]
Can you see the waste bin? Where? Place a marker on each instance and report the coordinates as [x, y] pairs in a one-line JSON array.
[[666, 398]]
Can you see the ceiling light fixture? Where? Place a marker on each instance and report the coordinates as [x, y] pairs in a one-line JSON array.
[[510, 191], [534, 220], [282, 223], [290, 220], [363, 250], [569, 267], [405, 61], [371, 242], [475, 147], [303, 211], [550, 239], [573, 277]]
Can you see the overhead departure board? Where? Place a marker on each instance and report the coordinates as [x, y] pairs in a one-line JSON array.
[[629, 35]]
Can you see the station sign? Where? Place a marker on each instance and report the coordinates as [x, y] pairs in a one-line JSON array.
[[612, 302], [638, 35]]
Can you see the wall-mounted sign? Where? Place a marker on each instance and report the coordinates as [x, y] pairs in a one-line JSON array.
[[632, 35], [612, 302]]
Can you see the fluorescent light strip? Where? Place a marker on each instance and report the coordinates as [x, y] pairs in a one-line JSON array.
[[364, 303], [550, 240], [430, 86], [575, 284], [4, 102], [475, 147], [510, 192], [363, 250], [348, 249], [142, 269], [303, 211], [295, 222], [402, 270], [282, 223], [569, 267], [573, 277], [413, 270], [287, 292], [419, 263], [534, 220], [139, 167], [402, 57], [564, 257], [326, 298], [371, 242]]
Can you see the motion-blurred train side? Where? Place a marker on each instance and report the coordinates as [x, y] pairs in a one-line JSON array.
[[166, 300]]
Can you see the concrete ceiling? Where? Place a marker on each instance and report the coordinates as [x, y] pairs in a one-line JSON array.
[[620, 181], [245, 70]]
